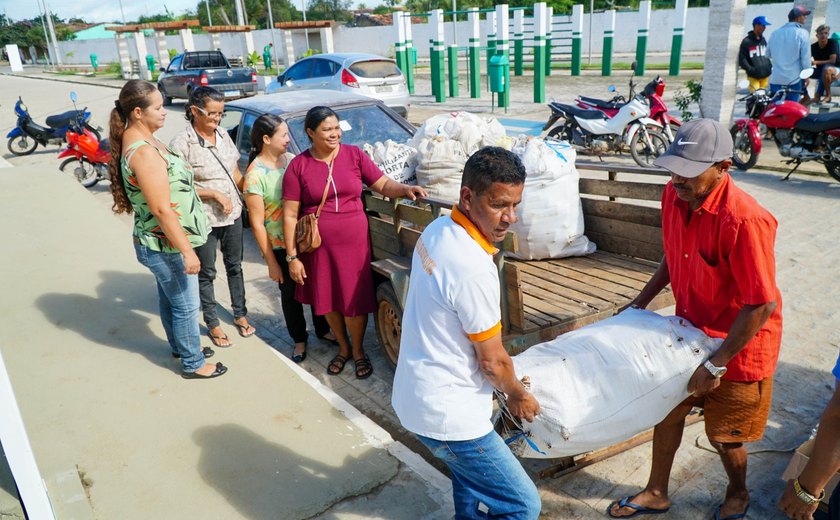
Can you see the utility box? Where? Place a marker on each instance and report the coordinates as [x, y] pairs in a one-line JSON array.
[[150, 62], [94, 62], [499, 73]]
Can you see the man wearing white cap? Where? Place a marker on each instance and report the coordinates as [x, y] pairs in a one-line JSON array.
[[719, 260]]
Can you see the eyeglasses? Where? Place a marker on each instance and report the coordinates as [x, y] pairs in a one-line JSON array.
[[213, 115]]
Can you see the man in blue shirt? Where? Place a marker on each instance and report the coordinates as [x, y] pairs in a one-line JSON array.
[[790, 52], [803, 494]]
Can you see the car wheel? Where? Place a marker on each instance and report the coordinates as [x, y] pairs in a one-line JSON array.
[[167, 100]]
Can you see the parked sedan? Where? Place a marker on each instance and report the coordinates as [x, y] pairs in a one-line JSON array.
[[366, 74], [363, 120]]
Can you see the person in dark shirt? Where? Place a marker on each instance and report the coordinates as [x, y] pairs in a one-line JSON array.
[[753, 55], [824, 54]]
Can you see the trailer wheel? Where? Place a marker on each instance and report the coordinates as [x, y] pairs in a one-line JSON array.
[[388, 320]]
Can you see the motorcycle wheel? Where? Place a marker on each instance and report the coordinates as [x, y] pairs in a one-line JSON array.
[[82, 171], [562, 133], [743, 155], [833, 169], [22, 145], [644, 153], [94, 131]]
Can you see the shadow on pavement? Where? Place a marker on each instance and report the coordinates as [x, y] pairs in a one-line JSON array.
[[795, 185]]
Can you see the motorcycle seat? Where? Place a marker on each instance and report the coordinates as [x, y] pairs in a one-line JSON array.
[[819, 122], [581, 113], [600, 103], [64, 119]]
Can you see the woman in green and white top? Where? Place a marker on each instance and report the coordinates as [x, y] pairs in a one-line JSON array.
[[156, 184], [263, 196]]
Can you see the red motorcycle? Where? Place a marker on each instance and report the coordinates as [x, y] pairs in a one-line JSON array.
[[88, 157], [653, 93], [800, 136]]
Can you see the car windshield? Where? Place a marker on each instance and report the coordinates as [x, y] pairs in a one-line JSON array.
[[375, 69], [367, 124]]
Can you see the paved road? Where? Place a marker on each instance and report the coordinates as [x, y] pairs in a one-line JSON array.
[[807, 248]]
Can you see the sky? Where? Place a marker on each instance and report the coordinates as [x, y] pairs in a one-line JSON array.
[[98, 10]]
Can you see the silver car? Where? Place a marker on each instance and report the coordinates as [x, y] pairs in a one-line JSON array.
[[366, 74]]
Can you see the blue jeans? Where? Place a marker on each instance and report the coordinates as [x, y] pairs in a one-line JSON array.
[[790, 96], [487, 480], [179, 303]]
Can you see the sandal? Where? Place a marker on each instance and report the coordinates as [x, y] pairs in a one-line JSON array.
[[207, 351], [299, 358], [336, 365], [217, 340], [363, 368], [220, 370], [246, 330]]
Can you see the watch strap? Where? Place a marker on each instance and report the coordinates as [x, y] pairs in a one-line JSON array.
[[804, 496]]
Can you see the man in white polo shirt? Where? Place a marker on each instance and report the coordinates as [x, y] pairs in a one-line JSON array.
[[451, 352]]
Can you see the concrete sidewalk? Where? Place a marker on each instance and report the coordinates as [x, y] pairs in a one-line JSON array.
[[117, 433]]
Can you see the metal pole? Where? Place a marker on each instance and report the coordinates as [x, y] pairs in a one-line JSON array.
[[240, 20], [209, 18], [122, 12], [271, 28], [305, 30], [52, 33], [46, 35], [591, 16]]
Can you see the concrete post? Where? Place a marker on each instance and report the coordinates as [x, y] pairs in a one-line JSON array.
[[453, 70], [125, 56], [163, 50], [288, 48], [503, 48], [249, 42], [609, 31], [140, 45], [491, 37], [677, 40], [518, 42], [475, 52], [399, 45], [327, 44], [186, 40], [540, 16], [641, 39], [577, 35], [549, 27], [723, 41], [215, 41], [438, 55], [409, 51]]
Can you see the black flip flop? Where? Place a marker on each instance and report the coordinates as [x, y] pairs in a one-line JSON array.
[[216, 339], [639, 510], [244, 328], [220, 370], [207, 351]]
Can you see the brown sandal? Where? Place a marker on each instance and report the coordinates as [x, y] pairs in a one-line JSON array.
[[363, 368], [336, 365]]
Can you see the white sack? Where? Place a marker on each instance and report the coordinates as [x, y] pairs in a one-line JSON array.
[[440, 163], [604, 383], [394, 159], [472, 131], [550, 217]]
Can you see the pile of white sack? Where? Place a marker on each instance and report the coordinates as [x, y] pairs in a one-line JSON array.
[[550, 217], [604, 383], [396, 160]]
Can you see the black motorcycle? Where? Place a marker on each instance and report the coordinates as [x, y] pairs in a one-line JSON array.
[[27, 134]]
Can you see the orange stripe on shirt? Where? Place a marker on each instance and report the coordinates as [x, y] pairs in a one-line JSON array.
[[487, 334], [471, 229]]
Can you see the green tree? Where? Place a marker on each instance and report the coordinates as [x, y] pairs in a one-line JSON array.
[[223, 12], [329, 10]]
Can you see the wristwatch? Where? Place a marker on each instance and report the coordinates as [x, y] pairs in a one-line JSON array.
[[716, 371], [289, 258], [804, 496]]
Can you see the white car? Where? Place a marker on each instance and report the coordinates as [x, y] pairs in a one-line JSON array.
[[366, 74]]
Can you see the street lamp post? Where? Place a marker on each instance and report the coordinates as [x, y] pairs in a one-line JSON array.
[[209, 18]]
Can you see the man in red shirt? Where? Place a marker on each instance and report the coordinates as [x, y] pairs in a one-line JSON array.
[[719, 261]]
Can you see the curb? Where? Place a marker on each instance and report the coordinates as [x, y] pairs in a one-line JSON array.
[[62, 80]]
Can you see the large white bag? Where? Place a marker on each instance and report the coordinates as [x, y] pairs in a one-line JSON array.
[[394, 159], [604, 383], [550, 217], [472, 131], [440, 164]]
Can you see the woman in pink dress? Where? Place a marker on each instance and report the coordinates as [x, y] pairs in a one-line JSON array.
[[335, 278]]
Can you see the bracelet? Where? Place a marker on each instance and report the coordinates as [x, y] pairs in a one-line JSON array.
[[804, 496]]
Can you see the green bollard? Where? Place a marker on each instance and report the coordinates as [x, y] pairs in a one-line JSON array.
[[491, 49], [411, 61], [518, 56], [641, 50], [453, 70], [475, 68], [547, 56], [606, 61], [539, 69], [576, 53], [676, 53]]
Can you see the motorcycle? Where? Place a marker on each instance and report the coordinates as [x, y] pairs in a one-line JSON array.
[[88, 157], [597, 134], [27, 134], [653, 93], [799, 135]]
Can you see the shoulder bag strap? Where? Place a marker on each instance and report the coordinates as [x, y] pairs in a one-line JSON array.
[[326, 191], [235, 187]]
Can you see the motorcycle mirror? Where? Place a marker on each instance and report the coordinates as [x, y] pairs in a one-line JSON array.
[[633, 66], [611, 88], [73, 96], [806, 73], [743, 83]]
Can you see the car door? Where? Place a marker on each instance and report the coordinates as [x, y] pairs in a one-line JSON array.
[[322, 73], [296, 77], [231, 122], [170, 78]]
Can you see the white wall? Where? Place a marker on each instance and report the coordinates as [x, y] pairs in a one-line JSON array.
[[380, 40]]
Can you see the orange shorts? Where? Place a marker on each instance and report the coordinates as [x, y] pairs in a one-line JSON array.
[[736, 411]]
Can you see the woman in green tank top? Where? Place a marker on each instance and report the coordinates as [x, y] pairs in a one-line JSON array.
[[155, 184]]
